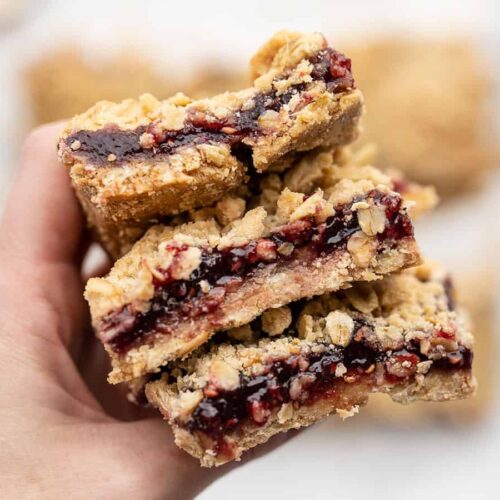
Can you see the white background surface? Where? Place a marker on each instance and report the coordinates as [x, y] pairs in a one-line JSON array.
[[335, 459]]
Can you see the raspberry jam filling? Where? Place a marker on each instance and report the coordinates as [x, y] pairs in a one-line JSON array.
[[329, 66], [223, 271], [305, 378]]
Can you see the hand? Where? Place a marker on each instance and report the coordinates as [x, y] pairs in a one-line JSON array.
[[61, 435]]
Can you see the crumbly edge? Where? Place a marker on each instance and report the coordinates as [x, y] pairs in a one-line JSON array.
[[122, 200], [282, 49], [475, 295], [434, 386], [323, 118], [269, 289], [323, 168], [130, 114], [405, 297], [209, 163], [130, 280], [410, 305]]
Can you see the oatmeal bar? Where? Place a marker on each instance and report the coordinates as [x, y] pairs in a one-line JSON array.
[[323, 168], [475, 296], [429, 113], [398, 336], [320, 168], [179, 285], [138, 160]]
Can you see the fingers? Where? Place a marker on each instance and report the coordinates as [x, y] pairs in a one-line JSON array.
[[42, 219], [186, 478], [40, 232], [174, 473], [94, 366]]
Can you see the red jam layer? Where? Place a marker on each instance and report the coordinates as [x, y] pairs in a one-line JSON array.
[[329, 66], [225, 270], [305, 379]]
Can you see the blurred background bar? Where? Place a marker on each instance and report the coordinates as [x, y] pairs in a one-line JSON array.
[[430, 71]]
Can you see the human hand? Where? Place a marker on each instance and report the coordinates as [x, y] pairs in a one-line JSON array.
[[61, 435]]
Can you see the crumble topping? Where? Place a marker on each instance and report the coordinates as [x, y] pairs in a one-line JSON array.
[[371, 219], [389, 314], [241, 333], [339, 327], [363, 298], [136, 162], [291, 100], [287, 203], [269, 385], [362, 248], [335, 172], [276, 321], [187, 403], [223, 376], [250, 227], [284, 50], [191, 259], [161, 242], [229, 209], [314, 206]]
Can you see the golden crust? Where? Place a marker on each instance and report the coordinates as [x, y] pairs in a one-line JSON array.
[[267, 290], [435, 387], [475, 297], [121, 203]]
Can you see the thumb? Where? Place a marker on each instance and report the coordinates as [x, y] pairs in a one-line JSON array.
[[172, 472]]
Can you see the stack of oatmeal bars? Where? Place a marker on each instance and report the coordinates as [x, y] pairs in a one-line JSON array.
[[267, 275]]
